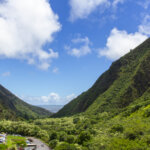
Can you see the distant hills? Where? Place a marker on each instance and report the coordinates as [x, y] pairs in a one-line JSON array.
[[52, 108], [13, 108], [126, 82]]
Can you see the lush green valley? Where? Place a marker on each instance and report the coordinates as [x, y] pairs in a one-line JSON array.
[[112, 115], [127, 131]]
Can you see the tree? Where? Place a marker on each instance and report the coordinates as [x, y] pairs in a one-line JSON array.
[[84, 137]]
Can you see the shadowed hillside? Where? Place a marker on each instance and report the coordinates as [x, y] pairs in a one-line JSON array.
[[11, 107]]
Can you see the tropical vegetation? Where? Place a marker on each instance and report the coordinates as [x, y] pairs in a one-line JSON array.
[[114, 114]]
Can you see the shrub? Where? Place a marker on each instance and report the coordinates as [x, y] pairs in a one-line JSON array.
[[66, 146], [93, 121], [87, 125], [62, 136], [53, 136], [125, 144], [146, 139], [3, 147], [70, 139], [20, 143], [117, 128], [43, 135], [92, 131], [133, 134], [135, 108], [147, 112], [84, 137], [76, 120], [53, 144], [13, 148]]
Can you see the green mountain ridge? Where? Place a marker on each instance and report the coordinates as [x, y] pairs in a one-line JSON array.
[[127, 79], [114, 114], [13, 108]]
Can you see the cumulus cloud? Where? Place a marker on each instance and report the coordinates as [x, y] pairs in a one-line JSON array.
[[145, 26], [25, 26], [116, 2], [52, 99], [120, 42], [82, 8], [6, 74], [82, 49]]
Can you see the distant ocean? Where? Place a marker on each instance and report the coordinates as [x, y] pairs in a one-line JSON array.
[[52, 108]]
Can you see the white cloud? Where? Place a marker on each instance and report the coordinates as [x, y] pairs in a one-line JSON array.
[[82, 8], [116, 2], [52, 99], [46, 58], [55, 70], [120, 42], [6, 74], [25, 26], [82, 49], [145, 26], [144, 3]]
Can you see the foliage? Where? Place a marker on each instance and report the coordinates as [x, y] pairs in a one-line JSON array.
[[66, 146], [84, 137], [76, 120], [70, 139], [3, 147], [23, 128], [115, 111], [117, 128], [53, 136], [53, 143]]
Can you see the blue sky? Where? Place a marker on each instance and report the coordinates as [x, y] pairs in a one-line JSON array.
[[51, 51]]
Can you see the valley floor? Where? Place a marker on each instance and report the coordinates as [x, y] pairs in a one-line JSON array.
[[127, 130]]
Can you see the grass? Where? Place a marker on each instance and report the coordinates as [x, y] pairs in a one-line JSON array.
[[12, 142]]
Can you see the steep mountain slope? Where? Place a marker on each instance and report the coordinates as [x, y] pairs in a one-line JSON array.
[[127, 79], [11, 107]]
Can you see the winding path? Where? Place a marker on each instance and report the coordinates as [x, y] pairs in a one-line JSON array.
[[40, 144]]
